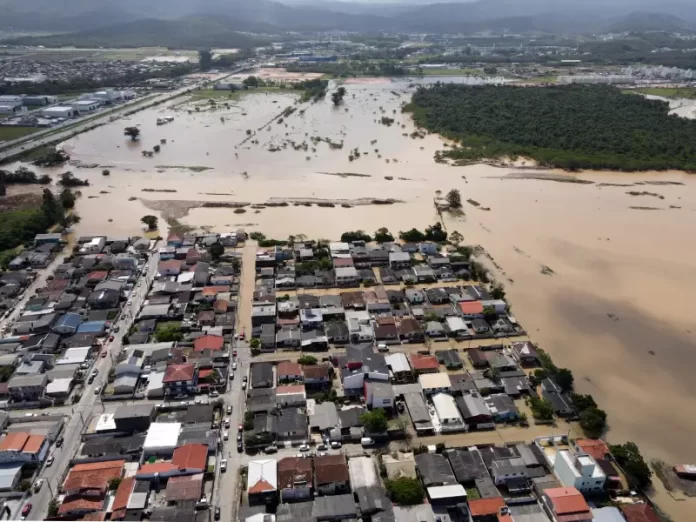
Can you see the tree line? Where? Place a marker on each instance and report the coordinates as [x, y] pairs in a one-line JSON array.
[[571, 127]]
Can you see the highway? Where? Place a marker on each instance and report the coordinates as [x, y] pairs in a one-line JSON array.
[[81, 412]]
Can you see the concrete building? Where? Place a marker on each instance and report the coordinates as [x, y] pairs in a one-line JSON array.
[[59, 111], [580, 471], [86, 106]]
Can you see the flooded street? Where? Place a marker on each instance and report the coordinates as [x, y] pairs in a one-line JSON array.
[[617, 309]]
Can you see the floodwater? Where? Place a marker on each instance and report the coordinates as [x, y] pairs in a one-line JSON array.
[[617, 308]]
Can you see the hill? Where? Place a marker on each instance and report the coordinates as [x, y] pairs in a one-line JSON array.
[[641, 21]]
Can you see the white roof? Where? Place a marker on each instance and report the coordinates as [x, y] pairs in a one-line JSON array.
[[452, 490], [338, 246], [61, 385], [362, 472], [434, 380], [186, 277], [75, 355], [346, 271], [154, 382], [105, 422], [162, 435], [398, 362], [445, 407], [266, 470], [456, 323], [607, 514], [8, 473]]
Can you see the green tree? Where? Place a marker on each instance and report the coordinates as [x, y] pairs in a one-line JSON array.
[[375, 421], [50, 206], [25, 485], [498, 291], [67, 199], [629, 458], [132, 132], [254, 343], [454, 199], [489, 313], [541, 408], [114, 483], [593, 421], [412, 236], [382, 235], [205, 59], [564, 378], [405, 491], [248, 421], [251, 81], [456, 238], [216, 250], [355, 235], [150, 221], [436, 233], [337, 97], [53, 507], [307, 360], [582, 402], [169, 332]]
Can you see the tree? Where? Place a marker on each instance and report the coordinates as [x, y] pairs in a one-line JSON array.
[[67, 199], [541, 408], [254, 343], [456, 238], [375, 421], [337, 97], [593, 421], [168, 332], [405, 491], [489, 313], [53, 507], [114, 483], [454, 199], [582, 402], [106, 172], [412, 236], [132, 132], [355, 235], [382, 235], [436, 233], [150, 221], [307, 360], [629, 458], [498, 291], [251, 81], [216, 250], [564, 378], [249, 421], [205, 59], [493, 374], [50, 206]]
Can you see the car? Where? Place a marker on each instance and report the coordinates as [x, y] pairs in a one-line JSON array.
[[234, 365], [234, 353], [111, 338], [270, 449], [322, 447], [103, 354], [94, 373], [26, 509], [223, 465], [37, 485], [322, 454], [244, 386], [226, 435], [304, 447], [382, 347], [90, 380], [49, 461], [214, 394], [217, 512], [367, 441], [97, 390], [227, 422], [229, 409], [242, 336], [231, 376], [335, 444], [239, 436], [117, 328], [244, 379], [240, 446], [59, 442]]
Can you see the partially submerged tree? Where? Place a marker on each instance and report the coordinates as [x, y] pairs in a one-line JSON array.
[[150, 221], [337, 97], [454, 199], [132, 132], [216, 250], [382, 235]]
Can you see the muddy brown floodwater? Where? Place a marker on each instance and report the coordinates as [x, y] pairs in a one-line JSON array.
[[615, 307]]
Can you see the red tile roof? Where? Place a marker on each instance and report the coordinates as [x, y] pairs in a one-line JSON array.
[[316, 372], [297, 388], [98, 274], [81, 503], [289, 368], [214, 290], [94, 476], [191, 456], [292, 470], [179, 372], [14, 441], [424, 362], [34, 444], [186, 487], [486, 506], [221, 305], [639, 513], [330, 468], [202, 374], [156, 467], [470, 307], [170, 264], [98, 516], [209, 342], [344, 262], [173, 236], [123, 493], [598, 449], [567, 501]]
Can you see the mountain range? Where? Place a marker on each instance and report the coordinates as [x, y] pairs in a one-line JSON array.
[[219, 22]]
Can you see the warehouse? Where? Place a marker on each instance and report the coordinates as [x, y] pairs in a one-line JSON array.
[[86, 106], [59, 111]]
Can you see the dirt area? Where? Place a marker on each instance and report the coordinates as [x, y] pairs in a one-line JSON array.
[[278, 74], [20, 202], [367, 81]]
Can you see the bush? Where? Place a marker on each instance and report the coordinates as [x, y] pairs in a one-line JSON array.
[[593, 421], [374, 421], [629, 458], [307, 360], [25, 485], [382, 235], [405, 491], [168, 332]]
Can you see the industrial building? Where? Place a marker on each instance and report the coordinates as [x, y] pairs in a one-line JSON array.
[[60, 111]]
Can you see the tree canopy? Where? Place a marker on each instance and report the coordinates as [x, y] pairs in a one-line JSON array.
[[355, 235], [375, 421], [593, 421], [150, 221], [541, 408], [405, 491], [307, 360], [382, 235], [169, 331], [216, 250], [571, 127], [454, 199], [629, 458]]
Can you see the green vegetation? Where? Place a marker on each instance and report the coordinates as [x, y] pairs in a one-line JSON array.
[[564, 378], [375, 421], [446, 71], [382, 235], [12, 133], [571, 127], [313, 90], [307, 360], [629, 458], [23, 176], [150, 221], [114, 483], [593, 421], [405, 491], [132, 132], [350, 69], [337, 96], [169, 331], [433, 233], [53, 506], [454, 199], [665, 92], [266, 243], [541, 409], [216, 250], [355, 235]]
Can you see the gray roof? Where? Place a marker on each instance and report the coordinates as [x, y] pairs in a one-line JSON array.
[[448, 357], [324, 417], [351, 417], [335, 506], [133, 411], [19, 381], [261, 373], [500, 403], [292, 420], [417, 407], [486, 487], [294, 512], [113, 446], [434, 469], [372, 500], [467, 465], [472, 406], [508, 466]]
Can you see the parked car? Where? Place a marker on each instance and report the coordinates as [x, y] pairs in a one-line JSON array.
[[231, 376], [223, 465], [217, 512], [26, 509], [367, 441], [239, 436], [242, 336], [234, 365], [227, 422], [226, 435], [229, 409], [322, 447], [234, 353], [304, 447], [240, 429], [214, 394], [270, 449], [244, 386], [240, 446], [111, 338], [59, 442], [49, 461], [97, 390], [335, 444], [37, 485], [244, 379]]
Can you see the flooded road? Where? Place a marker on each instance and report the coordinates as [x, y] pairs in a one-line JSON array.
[[617, 310]]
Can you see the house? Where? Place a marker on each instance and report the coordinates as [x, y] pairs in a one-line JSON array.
[[261, 375], [450, 358], [399, 260], [346, 276], [410, 330], [424, 274], [67, 323], [191, 458], [399, 367], [387, 275], [209, 342], [502, 407], [263, 314], [379, 395], [267, 338], [293, 395], [170, 267], [433, 383], [579, 471], [317, 376], [314, 340], [331, 475], [288, 337], [337, 332], [437, 295], [487, 509], [566, 505], [311, 318], [262, 481], [457, 327], [359, 326], [435, 330], [92, 477], [434, 470], [414, 296], [180, 379], [349, 419], [639, 512], [480, 326], [386, 333], [292, 424], [467, 464], [447, 412], [424, 363], [551, 392], [470, 309], [334, 509], [289, 372], [23, 447], [525, 352], [295, 478], [27, 387], [475, 411], [134, 417], [323, 417], [353, 300]]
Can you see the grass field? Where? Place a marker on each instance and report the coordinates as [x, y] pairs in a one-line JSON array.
[[54, 55], [666, 92], [212, 94], [444, 71], [12, 133]]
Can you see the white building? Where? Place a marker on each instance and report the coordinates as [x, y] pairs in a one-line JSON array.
[[86, 106], [346, 275], [339, 248], [93, 246], [447, 412], [579, 470], [11, 101], [161, 438], [363, 473], [59, 111], [262, 478], [435, 383]]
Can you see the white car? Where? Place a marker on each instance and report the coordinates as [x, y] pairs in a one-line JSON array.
[[49, 461], [226, 435], [97, 390], [304, 447], [229, 409], [223, 465], [243, 386], [227, 422], [335, 444], [234, 365]]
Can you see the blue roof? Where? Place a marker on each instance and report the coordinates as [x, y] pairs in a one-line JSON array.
[[92, 327], [71, 320]]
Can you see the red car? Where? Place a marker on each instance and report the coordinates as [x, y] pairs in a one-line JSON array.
[[241, 427], [234, 353], [111, 338], [242, 336], [103, 354], [26, 510]]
